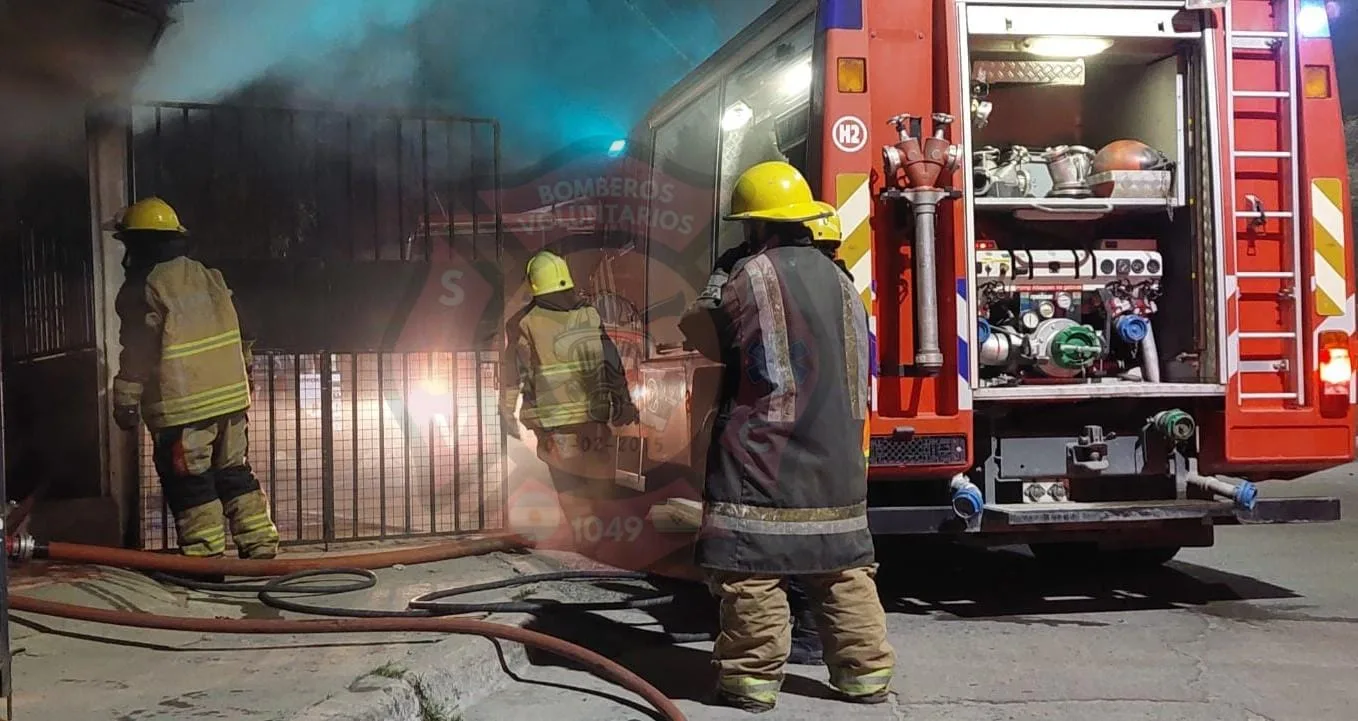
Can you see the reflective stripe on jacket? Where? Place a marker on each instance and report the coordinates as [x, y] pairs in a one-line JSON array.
[[183, 358], [565, 365]]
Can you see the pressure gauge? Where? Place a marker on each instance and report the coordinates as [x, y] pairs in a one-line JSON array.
[[1030, 320], [1063, 301], [1046, 309]]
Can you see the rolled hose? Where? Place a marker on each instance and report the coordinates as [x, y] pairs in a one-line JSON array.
[[591, 660], [412, 620]]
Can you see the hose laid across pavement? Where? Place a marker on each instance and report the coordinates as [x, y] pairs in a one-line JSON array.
[[591, 660], [354, 564], [434, 603], [178, 564]]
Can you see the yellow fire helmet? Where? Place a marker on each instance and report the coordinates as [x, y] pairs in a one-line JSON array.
[[826, 230], [548, 273], [150, 214], [775, 191]]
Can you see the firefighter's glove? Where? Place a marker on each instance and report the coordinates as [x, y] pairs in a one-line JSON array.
[[126, 417], [510, 424], [625, 413]]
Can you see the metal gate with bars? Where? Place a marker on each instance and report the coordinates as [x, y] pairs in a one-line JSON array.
[[327, 225], [358, 446]]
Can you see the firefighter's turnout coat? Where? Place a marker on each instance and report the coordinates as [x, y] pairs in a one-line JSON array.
[[183, 358], [786, 485], [568, 369]]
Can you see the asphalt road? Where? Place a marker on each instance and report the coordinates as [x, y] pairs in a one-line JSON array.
[[1261, 627]]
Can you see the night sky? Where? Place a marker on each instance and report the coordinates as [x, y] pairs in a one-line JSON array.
[[1344, 33]]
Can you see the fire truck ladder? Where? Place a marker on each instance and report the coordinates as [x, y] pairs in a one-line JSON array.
[[1282, 45]]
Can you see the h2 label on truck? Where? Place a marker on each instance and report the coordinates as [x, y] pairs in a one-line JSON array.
[[850, 134]]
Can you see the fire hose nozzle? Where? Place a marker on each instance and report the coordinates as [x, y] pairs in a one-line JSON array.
[[20, 547]]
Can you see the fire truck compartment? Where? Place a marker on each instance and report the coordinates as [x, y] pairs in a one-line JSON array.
[[1089, 203]]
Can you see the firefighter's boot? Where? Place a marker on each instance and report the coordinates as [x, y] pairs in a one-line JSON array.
[[251, 527], [742, 702]]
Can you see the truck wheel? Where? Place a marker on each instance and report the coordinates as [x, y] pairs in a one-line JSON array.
[[1089, 556]]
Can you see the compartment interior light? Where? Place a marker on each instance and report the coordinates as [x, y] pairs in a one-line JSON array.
[[1064, 46], [737, 116]]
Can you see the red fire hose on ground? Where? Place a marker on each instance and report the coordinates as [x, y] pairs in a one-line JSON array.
[[142, 560], [174, 563]]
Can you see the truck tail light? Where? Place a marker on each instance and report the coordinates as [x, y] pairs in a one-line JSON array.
[[1336, 364]]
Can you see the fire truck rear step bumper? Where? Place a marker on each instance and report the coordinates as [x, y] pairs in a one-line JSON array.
[[1008, 516], [1266, 510]]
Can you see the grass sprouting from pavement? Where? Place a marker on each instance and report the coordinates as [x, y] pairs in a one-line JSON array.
[[430, 710], [389, 670]]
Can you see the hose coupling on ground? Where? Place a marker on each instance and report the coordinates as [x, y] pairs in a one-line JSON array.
[[20, 547]]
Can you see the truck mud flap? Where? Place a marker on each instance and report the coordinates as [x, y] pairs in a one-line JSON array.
[[1266, 510]]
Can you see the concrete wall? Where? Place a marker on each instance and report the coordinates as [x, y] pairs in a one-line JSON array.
[[57, 62]]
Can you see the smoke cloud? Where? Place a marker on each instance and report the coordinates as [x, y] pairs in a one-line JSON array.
[[551, 72], [220, 48]]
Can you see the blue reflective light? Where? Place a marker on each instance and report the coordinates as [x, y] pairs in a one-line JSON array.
[[841, 14], [616, 148], [1313, 20]]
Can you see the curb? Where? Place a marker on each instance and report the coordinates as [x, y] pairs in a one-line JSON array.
[[438, 682]]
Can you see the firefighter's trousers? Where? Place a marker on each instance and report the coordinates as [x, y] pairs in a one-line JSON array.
[[752, 648], [204, 474], [581, 461]]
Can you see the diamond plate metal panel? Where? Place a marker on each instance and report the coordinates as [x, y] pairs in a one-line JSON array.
[[1030, 72], [918, 451]]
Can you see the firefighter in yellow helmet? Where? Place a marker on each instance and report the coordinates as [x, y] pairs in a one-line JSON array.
[[785, 492], [570, 374], [184, 371], [827, 236]]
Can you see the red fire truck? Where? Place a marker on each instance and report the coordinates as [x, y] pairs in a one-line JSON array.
[[1103, 244]]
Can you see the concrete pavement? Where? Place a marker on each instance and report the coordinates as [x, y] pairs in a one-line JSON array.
[[80, 671], [1261, 627]]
